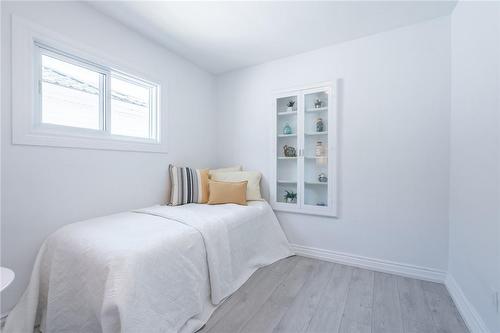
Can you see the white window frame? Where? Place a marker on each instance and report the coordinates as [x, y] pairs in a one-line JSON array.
[[153, 102], [29, 42], [40, 50]]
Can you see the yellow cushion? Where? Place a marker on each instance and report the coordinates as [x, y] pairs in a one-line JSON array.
[[203, 185], [252, 177], [227, 192]]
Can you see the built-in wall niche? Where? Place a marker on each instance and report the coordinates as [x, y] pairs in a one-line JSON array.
[[304, 179]]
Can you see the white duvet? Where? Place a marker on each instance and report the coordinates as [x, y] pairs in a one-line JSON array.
[[160, 269]]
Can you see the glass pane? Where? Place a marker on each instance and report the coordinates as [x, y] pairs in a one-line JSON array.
[[70, 94], [287, 161], [316, 149], [130, 109]]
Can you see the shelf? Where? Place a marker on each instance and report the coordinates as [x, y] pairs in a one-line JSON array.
[[287, 113], [286, 182], [286, 158], [316, 157], [316, 133], [316, 183], [287, 203], [325, 108], [286, 135]]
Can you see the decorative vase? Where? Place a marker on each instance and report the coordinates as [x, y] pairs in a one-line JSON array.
[[320, 149], [320, 126], [287, 129], [289, 151], [322, 178]]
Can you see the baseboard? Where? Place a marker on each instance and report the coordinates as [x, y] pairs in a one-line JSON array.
[[471, 317], [385, 266]]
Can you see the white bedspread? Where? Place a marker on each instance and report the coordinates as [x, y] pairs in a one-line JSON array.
[[161, 270], [238, 240]]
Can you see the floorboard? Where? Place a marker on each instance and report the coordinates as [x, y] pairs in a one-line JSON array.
[[299, 295], [247, 300], [445, 314], [332, 303], [305, 304], [386, 308], [415, 313], [357, 315], [269, 315]]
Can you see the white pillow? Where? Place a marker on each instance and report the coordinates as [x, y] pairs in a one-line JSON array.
[[252, 177], [229, 169]]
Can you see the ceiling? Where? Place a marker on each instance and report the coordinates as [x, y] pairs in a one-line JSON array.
[[224, 36]]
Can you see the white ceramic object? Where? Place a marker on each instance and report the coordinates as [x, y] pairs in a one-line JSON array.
[[6, 277]]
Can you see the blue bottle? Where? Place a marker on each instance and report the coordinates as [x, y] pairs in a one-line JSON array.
[[287, 129]]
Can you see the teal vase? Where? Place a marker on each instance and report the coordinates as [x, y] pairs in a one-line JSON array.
[[287, 129]]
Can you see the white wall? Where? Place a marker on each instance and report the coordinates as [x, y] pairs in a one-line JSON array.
[[395, 180], [44, 188], [475, 155], [394, 140]]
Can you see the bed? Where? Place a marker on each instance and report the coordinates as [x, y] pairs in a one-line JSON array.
[[159, 269]]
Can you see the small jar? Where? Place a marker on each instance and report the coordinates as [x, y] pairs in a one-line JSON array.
[[320, 149]]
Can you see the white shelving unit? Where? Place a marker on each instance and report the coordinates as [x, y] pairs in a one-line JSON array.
[[300, 174]]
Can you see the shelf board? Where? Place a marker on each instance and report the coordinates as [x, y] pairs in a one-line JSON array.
[[286, 182], [287, 203], [287, 113], [286, 135], [315, 157], [287, 158], [317, 133], [316, 183], [325, 108]]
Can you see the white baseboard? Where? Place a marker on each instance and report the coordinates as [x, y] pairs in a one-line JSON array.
[[385, 266], [471, 317]]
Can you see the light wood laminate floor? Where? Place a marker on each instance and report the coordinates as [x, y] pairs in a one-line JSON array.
[[299, 294]]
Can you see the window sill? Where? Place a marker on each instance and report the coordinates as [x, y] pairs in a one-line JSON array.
[[54, 139]]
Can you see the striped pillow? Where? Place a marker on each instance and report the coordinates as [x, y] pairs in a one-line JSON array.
[[187, 185]]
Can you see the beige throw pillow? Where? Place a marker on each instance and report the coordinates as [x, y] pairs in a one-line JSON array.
[[252, 177], [227, 192], [228, 169]]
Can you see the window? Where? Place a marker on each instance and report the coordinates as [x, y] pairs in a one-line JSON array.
[[70, 94], [67, 94], [132, 108], [75, 95]]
